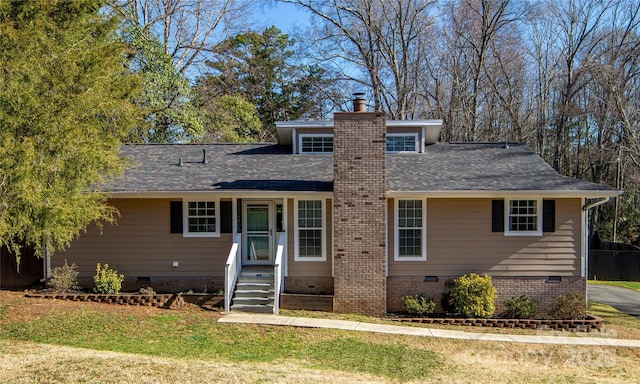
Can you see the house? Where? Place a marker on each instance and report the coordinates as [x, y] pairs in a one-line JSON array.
[[360, 208]]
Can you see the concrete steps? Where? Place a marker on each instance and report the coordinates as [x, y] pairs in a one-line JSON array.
[[254, 291]]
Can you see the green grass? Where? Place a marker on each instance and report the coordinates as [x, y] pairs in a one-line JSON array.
[[3, 311], [626, 284], [188, 335]]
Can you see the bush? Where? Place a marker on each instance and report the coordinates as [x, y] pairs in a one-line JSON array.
[[107, 280], [572, 306], [64, 278], [520, 307], [418, 305], [474, 295]]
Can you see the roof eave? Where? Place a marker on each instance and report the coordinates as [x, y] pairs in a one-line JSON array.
[[502, 193]]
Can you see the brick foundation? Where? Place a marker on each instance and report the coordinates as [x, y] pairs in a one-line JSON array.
[[166, 284], [359, 213], [309, 285], [539, 289]]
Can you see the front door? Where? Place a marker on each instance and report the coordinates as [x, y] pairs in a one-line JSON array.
[[257, 248]]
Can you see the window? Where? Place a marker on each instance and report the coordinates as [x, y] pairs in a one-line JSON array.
[[310, 233], [402, 142], [410, 244], [523, 217], [201, 219], [316, 143]]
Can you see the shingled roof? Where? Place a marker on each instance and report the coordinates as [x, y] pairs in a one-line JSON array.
[[444, 167]]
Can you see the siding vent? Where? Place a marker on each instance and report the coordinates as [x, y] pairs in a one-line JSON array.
[[555, 279], [431, 279], [144, 279]]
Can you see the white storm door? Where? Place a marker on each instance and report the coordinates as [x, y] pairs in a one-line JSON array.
[[258, 233]]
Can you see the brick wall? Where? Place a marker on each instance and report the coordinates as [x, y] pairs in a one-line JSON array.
[[309, 285], [360, 213], [539, 289]]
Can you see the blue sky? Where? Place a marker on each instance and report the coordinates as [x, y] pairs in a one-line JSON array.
[[283, 15]]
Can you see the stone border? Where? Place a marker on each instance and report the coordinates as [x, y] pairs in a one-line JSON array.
[[590, 324], [158, 300]]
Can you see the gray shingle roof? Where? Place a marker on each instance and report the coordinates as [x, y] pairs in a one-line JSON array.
[[269, 167], [478, 167]]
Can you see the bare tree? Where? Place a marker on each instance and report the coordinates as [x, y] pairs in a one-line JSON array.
[[383, 39], [187, 29]]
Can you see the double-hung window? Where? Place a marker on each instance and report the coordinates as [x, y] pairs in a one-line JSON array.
[[411, 233], [402, 142], [201, 218], [524, 217], [317, 143], [310, 231]]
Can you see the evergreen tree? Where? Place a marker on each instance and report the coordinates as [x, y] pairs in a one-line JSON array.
[[167, 101], [64, 108], [260, 68]]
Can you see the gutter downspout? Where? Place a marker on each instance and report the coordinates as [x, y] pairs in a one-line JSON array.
[[585, 242]]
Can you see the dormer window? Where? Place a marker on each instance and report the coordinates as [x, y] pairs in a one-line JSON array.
[[402, 142], [316, 143]]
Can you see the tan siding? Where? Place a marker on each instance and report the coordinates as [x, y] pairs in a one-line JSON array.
[[309, 268], [141, 245], [313, 131], [459, 240]]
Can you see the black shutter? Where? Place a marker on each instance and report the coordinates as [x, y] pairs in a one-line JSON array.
[[176, 216], [497, 215], [226, 217], [548, 215]]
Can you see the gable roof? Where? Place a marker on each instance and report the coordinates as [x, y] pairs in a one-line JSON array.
[[443, 168]]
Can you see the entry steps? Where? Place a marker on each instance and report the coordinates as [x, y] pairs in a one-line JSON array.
[[254, 291]]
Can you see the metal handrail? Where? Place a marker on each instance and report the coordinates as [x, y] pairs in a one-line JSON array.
[[278, 275], [231, 271]]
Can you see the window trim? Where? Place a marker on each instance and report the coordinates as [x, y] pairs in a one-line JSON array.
[[185, 217], [416, 142], [296, 233], [396, 238], [539, 213], [312, 135]]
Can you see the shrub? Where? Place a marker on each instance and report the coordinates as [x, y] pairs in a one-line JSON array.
[[147, 291], [571, 306], [64, 278], [474, 295], [418, 305], [520, 307], [107, 280]]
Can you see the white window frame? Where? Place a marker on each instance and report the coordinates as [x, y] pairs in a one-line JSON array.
[[507, 215], [396, 212], [416, 142], [185, 217], [312, 135], [323, 230]]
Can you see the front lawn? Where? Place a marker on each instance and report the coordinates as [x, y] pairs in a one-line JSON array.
[[57, 342], [626, 284]]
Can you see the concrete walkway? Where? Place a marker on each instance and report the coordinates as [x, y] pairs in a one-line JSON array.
[[578, 339]]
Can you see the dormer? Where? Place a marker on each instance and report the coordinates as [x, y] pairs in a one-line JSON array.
[[313, 137]]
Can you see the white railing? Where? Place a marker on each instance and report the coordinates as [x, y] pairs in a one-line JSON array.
[[232, 270], [278, 276]]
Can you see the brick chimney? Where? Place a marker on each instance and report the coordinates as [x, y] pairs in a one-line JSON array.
[[359, 211]]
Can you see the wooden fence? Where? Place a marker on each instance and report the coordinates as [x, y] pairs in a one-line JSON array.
[[614, 265], [12, 277]]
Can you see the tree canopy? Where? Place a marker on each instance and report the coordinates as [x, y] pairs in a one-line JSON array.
[[64, 107], [259, 68]]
